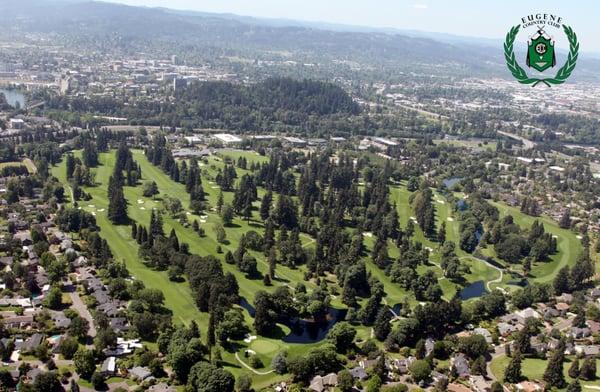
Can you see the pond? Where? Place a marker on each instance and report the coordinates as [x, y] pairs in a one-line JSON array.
[[450, 182], [474, 290], [14, 97], [305, 331]]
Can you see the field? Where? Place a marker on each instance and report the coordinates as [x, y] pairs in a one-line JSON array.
[[178, 296]]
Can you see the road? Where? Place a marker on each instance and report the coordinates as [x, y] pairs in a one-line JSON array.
[[527, 144], [80, 307]]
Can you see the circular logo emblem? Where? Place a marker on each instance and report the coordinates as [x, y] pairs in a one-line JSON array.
[[540, 52]]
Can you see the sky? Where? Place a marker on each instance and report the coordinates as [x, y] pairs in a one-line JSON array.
[[460, 17]]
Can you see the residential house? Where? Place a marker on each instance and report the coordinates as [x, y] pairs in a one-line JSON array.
[[109, 366], [359, 373], [485, 333], [460, 364], [140, 373], [323, 383]]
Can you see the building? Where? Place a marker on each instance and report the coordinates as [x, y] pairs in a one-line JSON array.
[[17, 123], [293, 141], [227, 139]]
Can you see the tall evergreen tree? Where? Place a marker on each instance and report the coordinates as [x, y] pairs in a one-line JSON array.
[[553, 375]]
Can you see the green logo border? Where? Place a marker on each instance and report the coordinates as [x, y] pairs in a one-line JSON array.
[[519, 73]]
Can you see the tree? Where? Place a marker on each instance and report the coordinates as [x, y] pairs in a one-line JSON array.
[[206, 377], [561, 281], [150, 189], [98, 381], [497, 387], [342, 335], [513, 374], [53, 298], [588, 369], [227, 214], [382, 326], [279, 363], [479, 366], [574, 368], [265, 205], [243, 383], [79, 327], [374, 384], [117, 205], [574, 386], [68, 347], [565, 219], [553, 375], [420, 370], [84, 362], [47, 382], [345, 381]]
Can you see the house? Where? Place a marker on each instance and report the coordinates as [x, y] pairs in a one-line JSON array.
[[460, 364], [562, 307], [140, 373], [485, 333], [24, 237], [505, 329], [109, 366], [60, 320], [429, 344], [529, 386], [323, 383], [32, 342], [456, 387], [594, 326], [119, 324], [580, 333], [479, 384], [528, 313], [402, 365], [565, 297], [18, 322], [161, 387], [359, 372], [588, 350]]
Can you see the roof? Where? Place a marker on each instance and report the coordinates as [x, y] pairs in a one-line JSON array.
[[161, 387], [359, 372], [456, 387], [140, 372], [227, 138]]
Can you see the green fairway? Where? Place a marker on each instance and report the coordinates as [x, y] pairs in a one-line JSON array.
[[569, 246]]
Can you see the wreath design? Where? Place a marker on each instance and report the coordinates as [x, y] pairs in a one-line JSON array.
[[519, 73]]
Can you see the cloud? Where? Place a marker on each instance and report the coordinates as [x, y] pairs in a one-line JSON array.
[[420, 6]]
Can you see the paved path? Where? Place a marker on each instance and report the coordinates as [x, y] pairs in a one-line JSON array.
[[497, 280], [244, 364], [80, 307]]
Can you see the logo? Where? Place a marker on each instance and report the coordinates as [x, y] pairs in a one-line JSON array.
[[541, 55]]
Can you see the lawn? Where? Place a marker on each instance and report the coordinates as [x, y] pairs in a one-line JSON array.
[[533, 369]]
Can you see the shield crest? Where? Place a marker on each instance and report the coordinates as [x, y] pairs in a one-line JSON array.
[[540, 53]]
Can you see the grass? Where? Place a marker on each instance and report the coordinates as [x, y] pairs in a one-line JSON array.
[[533, 369], [568, 245]]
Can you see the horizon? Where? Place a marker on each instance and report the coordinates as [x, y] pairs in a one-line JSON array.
[[467, 19]]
